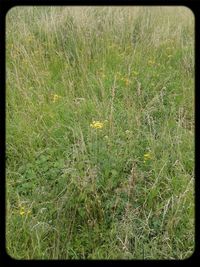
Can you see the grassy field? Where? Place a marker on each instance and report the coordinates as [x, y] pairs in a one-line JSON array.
[[100, 132]]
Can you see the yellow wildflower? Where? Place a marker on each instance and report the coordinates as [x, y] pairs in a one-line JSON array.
[[127, 82], [55, 97], [96, 125], [151, 62], [147, 156], [23, 212]]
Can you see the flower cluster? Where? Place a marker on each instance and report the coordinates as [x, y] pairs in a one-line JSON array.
[[101, 73], [147, 156], [55, 97], [23, 212], [96, 125], [125, 79], [151, 62]]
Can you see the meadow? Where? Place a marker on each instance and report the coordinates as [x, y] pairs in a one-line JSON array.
[[100, 132]]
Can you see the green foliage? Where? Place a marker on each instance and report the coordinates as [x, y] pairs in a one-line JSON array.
[[90, 92]]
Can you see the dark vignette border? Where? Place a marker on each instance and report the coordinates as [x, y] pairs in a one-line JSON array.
[[5, 6]]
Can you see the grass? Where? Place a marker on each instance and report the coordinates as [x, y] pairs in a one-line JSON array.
[[80, 192]]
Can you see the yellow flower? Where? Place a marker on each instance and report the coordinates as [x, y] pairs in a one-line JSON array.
[[151, 62], [29, 38], [96, 125], [23, 212], [55, 97], [147, 156], [127, 82]]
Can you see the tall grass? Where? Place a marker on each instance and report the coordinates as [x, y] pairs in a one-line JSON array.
[[121, 191]]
